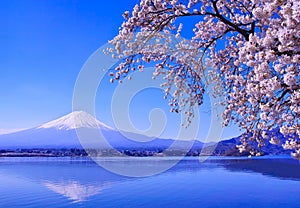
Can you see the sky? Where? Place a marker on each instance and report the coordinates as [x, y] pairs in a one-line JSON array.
[[44, 45]]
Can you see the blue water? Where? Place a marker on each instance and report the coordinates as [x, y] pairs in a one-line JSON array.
[[217, 182]]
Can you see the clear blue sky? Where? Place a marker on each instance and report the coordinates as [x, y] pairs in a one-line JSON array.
[[43, 47]]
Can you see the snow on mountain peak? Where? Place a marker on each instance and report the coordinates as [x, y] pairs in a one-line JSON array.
[[74, 120]]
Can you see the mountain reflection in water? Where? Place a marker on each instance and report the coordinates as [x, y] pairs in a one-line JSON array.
[[80, 182], [75, 191], [282, 168]]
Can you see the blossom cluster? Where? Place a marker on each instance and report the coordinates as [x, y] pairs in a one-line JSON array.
[[248, 49]]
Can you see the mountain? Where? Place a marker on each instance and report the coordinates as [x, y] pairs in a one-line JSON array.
[[75, 120], [228, 147], [62, 133], [8, 131]]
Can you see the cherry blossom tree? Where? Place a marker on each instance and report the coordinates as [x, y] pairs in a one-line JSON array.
[[249, 49]]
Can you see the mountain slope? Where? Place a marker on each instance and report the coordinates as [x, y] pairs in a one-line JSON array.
[[228, 147], [61, 133], [75, 120]]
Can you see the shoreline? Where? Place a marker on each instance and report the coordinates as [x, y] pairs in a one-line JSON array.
[[75, 152]]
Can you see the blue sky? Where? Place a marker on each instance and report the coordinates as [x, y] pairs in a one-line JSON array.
[[43, 47]]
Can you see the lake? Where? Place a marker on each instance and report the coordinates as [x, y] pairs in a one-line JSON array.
[[217, 182]]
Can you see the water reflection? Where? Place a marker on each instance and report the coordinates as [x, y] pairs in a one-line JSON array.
[[75, 179], [282, 168], [82, 183], [74, 190]]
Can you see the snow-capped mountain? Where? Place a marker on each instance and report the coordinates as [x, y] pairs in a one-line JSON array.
[[61, 133], [8, 131], [74, 120]]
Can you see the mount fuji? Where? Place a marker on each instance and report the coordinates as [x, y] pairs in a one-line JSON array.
[[61, 133], [75, 120]]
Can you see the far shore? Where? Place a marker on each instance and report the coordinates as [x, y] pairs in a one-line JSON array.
[[76, 152]]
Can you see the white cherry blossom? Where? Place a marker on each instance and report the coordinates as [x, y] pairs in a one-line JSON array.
[[249, 50]]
